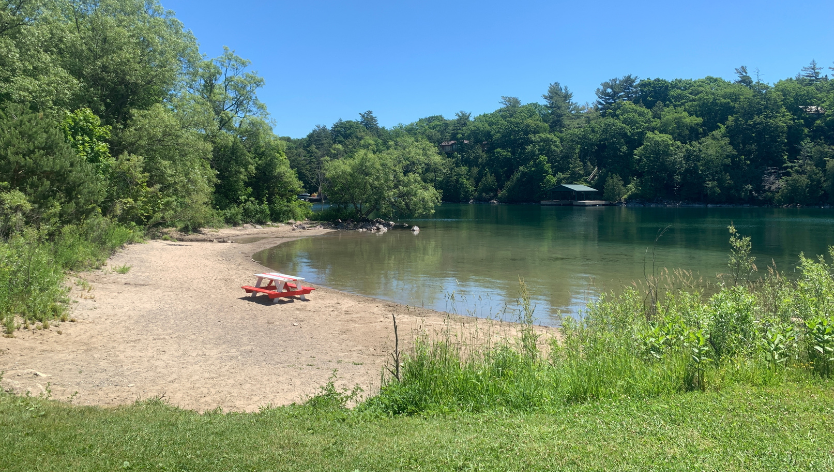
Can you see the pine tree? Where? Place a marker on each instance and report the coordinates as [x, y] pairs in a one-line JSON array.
[[36, 160]]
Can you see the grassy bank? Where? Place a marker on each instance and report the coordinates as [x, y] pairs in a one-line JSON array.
[[35, 262], [666, 337], [788, 427], [659, 377]]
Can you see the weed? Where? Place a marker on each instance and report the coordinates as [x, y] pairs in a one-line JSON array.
[[34, 263], [332, 399], [123, 269], [741, 263]]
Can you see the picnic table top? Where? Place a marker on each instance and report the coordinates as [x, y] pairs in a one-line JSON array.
[[278, 276]]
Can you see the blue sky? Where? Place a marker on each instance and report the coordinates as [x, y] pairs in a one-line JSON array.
[[325, 60]]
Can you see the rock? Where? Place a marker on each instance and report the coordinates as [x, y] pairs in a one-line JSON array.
[[259, 227], [415, 229], [493, 202], [247, 226]]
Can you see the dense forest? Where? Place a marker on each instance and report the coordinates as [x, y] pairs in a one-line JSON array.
[[698, 140], [107, 107]]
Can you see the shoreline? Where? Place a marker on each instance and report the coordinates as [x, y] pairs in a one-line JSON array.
[[177, 326]]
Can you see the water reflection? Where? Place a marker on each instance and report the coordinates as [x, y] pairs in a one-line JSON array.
[[467, 259]]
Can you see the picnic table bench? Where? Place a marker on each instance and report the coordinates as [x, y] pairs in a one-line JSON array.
[[279, 285]]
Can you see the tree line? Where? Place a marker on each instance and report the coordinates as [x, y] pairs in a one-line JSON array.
[[705, 140]]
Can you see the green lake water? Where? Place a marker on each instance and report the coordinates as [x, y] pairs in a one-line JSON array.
[[467, 258]]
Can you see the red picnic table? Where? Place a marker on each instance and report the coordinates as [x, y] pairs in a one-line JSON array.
[[279, 285]]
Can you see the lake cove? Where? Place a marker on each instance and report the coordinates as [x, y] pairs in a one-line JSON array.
[[467, 258]]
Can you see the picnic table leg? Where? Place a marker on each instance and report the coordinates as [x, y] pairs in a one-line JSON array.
[[257, 285], [278, 288]]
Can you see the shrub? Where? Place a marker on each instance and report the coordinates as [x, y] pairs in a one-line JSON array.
[[33, 266]]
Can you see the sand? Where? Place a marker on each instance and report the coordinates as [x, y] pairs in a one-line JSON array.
[[178, 326]]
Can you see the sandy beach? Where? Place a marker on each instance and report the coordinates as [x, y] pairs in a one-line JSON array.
[[177, 325]]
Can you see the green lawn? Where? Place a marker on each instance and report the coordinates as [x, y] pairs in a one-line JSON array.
[[789, 427]]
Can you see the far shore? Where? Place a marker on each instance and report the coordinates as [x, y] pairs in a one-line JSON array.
[[178, 326]]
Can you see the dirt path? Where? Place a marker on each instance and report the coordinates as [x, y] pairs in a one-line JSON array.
[[142, 334]]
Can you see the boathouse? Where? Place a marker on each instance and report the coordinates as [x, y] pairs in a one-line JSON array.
[[577, 195]]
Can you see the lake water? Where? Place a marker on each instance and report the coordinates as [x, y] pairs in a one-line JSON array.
[[467, 258]]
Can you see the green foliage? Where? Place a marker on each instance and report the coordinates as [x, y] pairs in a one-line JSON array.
[[389, 183], [14, 211], [36, 160], [706, 175], [487, 188], [166, 177], [529, 181], [659, 161], [30, 282], [331, 399], [616, 90], [88, 138], [741, 263], [335, 213], [614, 189], [125, 55], [33, 265], [703, 140], [456, 184], [821, 345]]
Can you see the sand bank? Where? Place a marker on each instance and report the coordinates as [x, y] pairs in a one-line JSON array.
[[177, 325]]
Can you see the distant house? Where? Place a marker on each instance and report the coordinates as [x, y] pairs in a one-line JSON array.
[[450, 146], [578, 195], [812, 109], [574, 193]]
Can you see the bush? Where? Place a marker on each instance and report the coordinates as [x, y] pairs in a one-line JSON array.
[[30, 282], [33, 266], [334, 213], [290, 210], [254, 212]]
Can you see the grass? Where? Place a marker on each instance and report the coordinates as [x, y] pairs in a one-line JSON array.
[[787, 427], [658, 378], [122, 269], [34, 264]]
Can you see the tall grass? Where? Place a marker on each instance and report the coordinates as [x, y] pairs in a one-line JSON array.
[[637, 344], [33, 265]]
